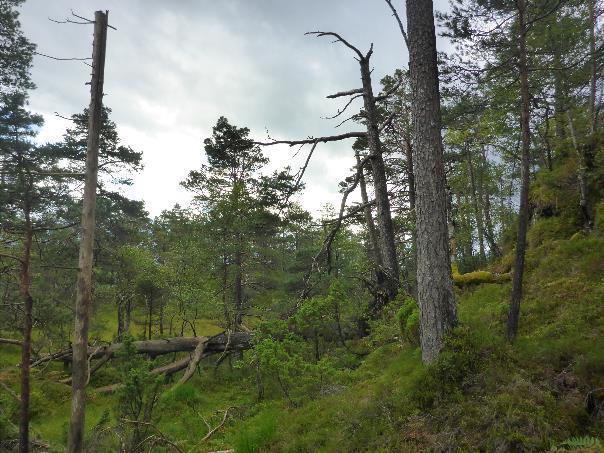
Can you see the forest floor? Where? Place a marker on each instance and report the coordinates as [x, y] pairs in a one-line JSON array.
[[483, 393]]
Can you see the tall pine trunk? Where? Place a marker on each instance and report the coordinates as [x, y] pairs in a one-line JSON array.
[[476, 205], [27, 326], [523, 215], [434, 284]]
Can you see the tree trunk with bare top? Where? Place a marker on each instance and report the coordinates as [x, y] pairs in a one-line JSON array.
[[84, 282]]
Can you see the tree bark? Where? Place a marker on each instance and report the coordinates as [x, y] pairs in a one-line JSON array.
[[149, 315], [383, 214], [593, 66], [411, 183], [84, 283], [581, 176], [435, 288], [27, 326], [379, 299], [476, 204], [489, 230], [523, 215], [238, 289]]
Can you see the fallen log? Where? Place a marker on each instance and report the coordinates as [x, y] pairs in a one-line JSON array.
[[236, 341], [201, 347], [11, 341]]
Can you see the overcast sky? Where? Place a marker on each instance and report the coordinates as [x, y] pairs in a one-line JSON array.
[[173, 67]]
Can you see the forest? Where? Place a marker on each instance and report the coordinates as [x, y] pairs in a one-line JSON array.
[[452, 301]]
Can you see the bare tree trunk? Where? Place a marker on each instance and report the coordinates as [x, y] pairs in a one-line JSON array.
[[435, 288], [411, 183], [227, 317], [523, 215], [84, 284], [383, 214], [489, 230], [380, 299], [238, 290], [128, 313], [581, 176], [161, 318], [559, 98], [371, 232], [593, 65], [27, 325], [477, 211], [120, 317], [149, 315]]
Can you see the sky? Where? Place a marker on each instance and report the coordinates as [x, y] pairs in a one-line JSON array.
[[173, 67]]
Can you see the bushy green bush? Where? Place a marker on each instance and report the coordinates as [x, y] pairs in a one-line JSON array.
[[446, 378], [408, 319]]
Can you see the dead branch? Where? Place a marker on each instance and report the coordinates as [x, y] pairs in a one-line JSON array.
[[195, 359], [212, 431], [345, 93], [312, 140], [10, 340], [319, 34], [398, 20], [343, 109]]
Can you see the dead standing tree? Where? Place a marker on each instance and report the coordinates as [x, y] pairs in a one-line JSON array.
[[84, 283], [386, 261]]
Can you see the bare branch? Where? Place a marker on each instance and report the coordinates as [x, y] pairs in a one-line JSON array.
[[312, 140], [62, 59], [338, 39], [343, 109], [345, 93], [400, 23]]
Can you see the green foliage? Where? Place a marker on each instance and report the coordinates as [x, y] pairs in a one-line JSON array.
[[137, 396], [256, 432], [585, 444], [446, 379], [408, 319]]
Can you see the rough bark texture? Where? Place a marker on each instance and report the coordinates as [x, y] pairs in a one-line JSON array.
[[374, 248], [84, 283], [476, 205], [593, 66], [238, 288], [435, 288], [581, 176], [489, 231], [27, 325], [523, 215], [382, 202]]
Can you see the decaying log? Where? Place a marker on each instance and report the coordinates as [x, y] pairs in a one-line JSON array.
[[153, 348], [202, 347], [11, 341]]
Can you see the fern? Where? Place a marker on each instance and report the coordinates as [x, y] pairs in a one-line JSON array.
[[579, 443]]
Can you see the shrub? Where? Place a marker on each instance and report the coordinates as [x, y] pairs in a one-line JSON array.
[[408, 319]]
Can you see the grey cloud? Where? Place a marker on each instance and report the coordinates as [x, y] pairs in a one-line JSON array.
[[174, 66]]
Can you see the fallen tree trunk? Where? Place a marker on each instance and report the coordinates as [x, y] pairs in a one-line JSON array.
[[201, 347], [11, 341], [212, 345]]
